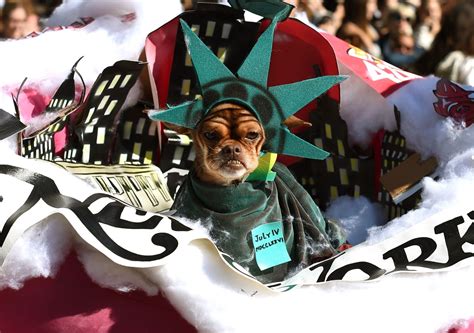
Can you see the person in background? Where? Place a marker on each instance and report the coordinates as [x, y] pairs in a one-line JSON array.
[[399, 17], [314, 10], [385, 7], [188, 4], [328, 24], [14, 16], [299, 11], [337, 15], [318, 15], [32, 23], [428, 23], [447, 5], [44, 8], [401, 50], [398, 45], [20, 18], [452, 53], [414, 3], [356, 28]]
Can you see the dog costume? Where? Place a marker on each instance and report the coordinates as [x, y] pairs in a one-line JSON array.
[[235, 212], [232, 212]]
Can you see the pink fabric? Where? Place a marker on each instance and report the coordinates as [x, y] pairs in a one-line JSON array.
[[31, 103], [72, 303], [469, 328]]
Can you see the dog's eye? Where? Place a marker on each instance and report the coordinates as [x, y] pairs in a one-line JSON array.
[[211, 136], [252, 135]]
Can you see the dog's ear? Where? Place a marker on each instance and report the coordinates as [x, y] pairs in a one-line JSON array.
[[178, 129], [292, 122]]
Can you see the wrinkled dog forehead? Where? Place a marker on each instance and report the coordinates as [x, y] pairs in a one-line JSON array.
[[233, 110], [229, 114]]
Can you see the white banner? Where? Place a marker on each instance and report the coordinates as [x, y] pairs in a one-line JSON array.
[[443, 241], [33, 190]]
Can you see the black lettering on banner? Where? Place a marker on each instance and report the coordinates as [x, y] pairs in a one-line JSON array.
[[453, 239], [400, 258], [370, 269], [326, 265], [45, 189], [134, 183]]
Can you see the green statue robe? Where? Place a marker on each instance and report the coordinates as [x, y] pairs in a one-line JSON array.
[[231, 212]]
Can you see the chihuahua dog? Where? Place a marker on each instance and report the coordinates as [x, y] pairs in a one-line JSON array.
[[227, 142]]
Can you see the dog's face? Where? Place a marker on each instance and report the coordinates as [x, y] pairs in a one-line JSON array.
[[227, 142]]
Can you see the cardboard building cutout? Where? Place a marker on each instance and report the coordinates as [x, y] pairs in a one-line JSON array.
[[42, 143], [10, 125], [268, 8]]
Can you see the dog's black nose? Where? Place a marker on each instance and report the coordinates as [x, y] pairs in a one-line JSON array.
[[232, 150]]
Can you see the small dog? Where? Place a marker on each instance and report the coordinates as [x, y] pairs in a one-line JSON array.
[[227, 143]]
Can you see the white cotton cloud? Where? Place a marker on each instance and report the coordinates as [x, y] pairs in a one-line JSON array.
[[38, 253], [426, 131], [364, 110], [108, 274], [400, 303], [357, 216]]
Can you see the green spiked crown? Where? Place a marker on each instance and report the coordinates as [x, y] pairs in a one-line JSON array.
[[249, 89]]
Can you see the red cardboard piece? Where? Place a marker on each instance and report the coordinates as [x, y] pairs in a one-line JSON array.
[[72, 302]]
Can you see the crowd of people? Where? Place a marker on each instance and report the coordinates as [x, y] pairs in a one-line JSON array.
[[422, 36]]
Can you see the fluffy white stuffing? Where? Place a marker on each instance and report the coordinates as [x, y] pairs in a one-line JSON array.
[[454, 190], [400, 303], [195, 282], [39, 122], [425, 130], [39, 252], [357, 216], [363, 119], [108, 274]]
